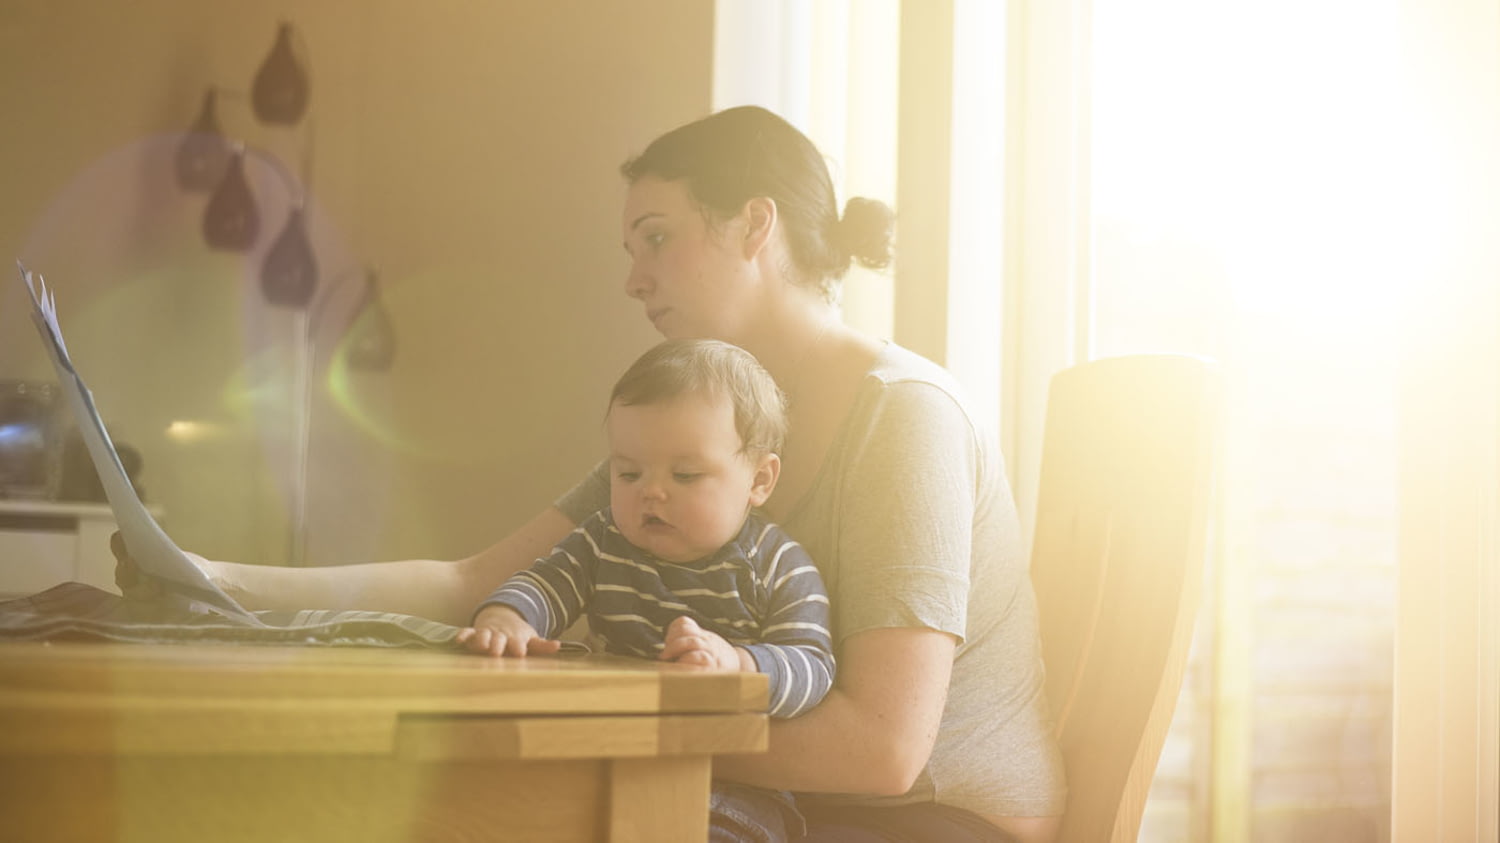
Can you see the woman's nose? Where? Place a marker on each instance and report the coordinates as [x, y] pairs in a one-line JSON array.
[[637, 282]]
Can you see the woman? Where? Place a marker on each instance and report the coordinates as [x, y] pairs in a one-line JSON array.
[[937, 727]]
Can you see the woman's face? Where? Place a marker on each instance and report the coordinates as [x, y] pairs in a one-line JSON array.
[[691, 278]]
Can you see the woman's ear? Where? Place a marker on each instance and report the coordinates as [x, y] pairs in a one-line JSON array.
[[760, 224], [767, 469]]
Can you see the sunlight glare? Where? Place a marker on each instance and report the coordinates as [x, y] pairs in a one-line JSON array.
[[1274, 134]]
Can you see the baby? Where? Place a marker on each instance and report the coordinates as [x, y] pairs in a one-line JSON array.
[[680, 567]]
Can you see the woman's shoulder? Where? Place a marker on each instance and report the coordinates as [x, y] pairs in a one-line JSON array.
[[902, 376], [896, 364], [907, 399]]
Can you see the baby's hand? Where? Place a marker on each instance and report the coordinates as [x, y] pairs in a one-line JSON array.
[[689, 643], [501, 631]]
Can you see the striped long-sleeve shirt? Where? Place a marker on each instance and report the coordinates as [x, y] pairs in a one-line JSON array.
[[761, 592]]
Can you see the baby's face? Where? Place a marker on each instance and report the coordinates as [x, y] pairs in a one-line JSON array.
[[680, 485]]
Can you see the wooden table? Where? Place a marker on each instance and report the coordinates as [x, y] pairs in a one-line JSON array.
[[233, 742]]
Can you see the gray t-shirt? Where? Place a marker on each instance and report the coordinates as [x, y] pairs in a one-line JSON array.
[[912, 523]]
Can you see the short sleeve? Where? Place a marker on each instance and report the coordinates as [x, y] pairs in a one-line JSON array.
[[590, 495], [908, 500]]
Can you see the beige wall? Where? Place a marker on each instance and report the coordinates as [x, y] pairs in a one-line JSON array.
[[466, 148]]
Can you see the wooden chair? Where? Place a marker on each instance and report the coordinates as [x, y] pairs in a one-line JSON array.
[[1117, 562]]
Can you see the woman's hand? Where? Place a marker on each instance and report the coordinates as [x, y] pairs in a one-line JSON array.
[[689, 643], [128, 577], [501, 631]]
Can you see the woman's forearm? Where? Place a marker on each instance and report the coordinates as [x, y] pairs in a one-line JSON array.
[[873, 732], [440, 590], [428, 588], [825, 750]]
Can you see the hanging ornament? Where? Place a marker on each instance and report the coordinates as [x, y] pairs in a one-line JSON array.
[[280, 92], [289, 276], [231, 222], [203, 152], [370, 340]]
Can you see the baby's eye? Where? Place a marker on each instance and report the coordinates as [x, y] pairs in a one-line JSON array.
[[629, 476], [686, 476]]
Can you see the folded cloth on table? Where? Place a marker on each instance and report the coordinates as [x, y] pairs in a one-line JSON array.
[[75, 611]]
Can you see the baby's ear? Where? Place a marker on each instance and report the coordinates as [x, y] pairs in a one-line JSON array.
[[767, 469]]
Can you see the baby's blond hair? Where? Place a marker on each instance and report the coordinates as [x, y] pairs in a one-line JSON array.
[[710, 367]]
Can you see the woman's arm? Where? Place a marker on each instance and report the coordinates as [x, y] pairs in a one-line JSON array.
[[445, 591], [875, 729]]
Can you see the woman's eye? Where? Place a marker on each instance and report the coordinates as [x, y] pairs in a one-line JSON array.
[[655, 240]]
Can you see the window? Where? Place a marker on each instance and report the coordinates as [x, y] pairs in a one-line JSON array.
[[1238, 182], [1247, 181]]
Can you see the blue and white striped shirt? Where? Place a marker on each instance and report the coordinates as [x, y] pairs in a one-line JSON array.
[[761, 591]]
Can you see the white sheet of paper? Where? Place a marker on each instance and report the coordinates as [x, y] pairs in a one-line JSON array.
[[155, 553]]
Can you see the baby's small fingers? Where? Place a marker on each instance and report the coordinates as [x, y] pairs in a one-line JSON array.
[[503, 645], [478, 641], [544, 646], [700, 657], [676, 645], [515, 646]]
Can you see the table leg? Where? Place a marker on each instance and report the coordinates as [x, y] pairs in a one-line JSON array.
[[659, 800]]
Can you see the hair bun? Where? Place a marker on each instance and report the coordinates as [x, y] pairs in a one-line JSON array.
[[867, 230]]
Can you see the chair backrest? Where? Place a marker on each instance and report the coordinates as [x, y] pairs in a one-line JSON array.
[[1117, 561]]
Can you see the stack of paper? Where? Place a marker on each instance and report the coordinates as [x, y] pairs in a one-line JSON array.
[[155, 554]]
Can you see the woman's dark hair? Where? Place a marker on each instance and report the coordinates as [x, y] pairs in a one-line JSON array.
[[738, 154]]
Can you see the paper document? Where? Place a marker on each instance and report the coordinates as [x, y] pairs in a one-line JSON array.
[[155, 554]]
